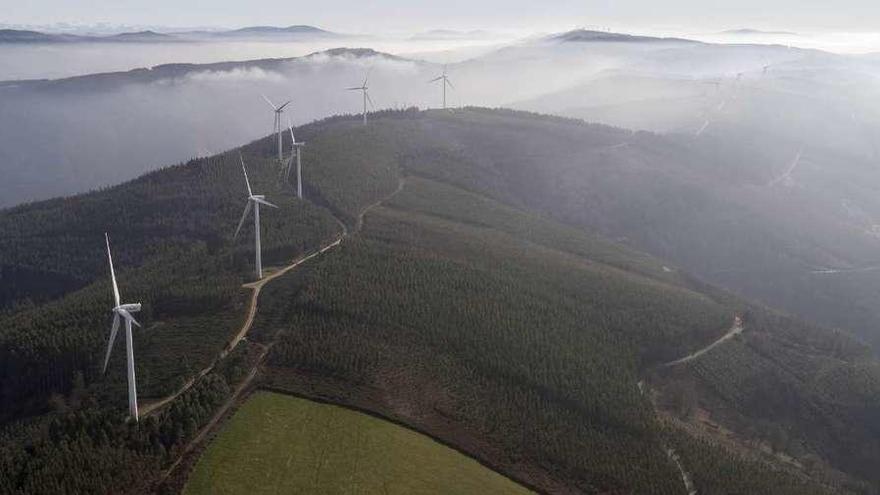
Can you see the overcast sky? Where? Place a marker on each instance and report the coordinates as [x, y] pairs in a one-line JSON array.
[[374, 16]]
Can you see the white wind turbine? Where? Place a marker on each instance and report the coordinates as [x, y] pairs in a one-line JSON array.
[[254, 200], [295, 148], [443, 77], [277, 127], [365, 89], [123, 311]]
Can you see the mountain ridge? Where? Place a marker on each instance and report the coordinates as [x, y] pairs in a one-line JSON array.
[[149, 35], [514, 285]]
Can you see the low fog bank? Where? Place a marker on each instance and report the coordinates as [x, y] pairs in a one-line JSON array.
[[22, 61], [67, 137], [860, 42], [73, 135]]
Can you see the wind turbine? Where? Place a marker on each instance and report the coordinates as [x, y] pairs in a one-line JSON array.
[[253, 200], [445, 82], [277, 127], [364, 88], [295, 148], [123, 311]]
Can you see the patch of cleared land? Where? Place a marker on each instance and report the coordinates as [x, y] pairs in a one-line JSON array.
[[280, 444]]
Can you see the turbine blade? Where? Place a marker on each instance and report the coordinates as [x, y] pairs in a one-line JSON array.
[[112, 273], [247, 209], [285, 104], [369, 99], [113, 331], [264, 202], [290, 128], [449, 83], [367, 77], [127, 316], [354, 89], [246, 181], [269, 102], [436, 79]]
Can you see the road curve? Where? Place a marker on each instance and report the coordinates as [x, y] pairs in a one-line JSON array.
[[735, 330]]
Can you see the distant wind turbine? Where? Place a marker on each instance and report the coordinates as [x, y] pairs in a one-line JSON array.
[[367, 98], [277, 127], [123, 311], [297, 149], [253, 200], [443, 77]]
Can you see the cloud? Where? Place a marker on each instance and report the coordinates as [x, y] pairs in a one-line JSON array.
[[237, 75]]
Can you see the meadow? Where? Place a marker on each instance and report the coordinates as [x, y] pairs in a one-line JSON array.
[[281, 444]]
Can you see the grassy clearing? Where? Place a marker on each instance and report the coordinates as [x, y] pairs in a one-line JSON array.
[[281, 444]]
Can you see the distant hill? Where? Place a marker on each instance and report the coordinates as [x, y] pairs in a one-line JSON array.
[[22, 36], [297, 30], [148, 36], [19, 36], [585, 35], [96, 83], [141, 36]]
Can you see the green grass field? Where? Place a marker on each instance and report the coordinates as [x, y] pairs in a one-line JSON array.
[[281, 444]]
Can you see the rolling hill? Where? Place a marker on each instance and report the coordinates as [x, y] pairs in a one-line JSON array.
[[470, 299], [149, 36]]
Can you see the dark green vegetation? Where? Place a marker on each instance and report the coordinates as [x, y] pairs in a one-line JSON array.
[[715, 468], [459, 308], [721, 208], [86, 447], [171, 235], [802, 392], [520, 342], [299, 446]]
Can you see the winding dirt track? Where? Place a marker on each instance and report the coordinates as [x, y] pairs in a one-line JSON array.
[[735, 330], [256, 286], [686, 479]]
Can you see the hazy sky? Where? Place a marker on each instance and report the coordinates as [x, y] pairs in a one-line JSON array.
[[414, 15]]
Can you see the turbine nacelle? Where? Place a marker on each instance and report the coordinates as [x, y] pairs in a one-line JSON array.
[[276, 109], [444, 81], [131, 308], [259, 198], [277, 124], [364, 88]]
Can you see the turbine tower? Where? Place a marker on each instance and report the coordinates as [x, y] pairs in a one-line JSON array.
[[123, 311], [277, 127], [253, 200], [295, 148], [443, 77], [367, 98]]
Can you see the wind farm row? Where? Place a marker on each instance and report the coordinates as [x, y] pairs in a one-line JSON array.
[[123, 311]]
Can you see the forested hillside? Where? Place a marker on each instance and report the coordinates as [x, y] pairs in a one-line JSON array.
[[522, 346], [791, 224], [455, 304]]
